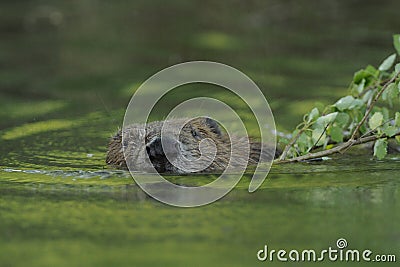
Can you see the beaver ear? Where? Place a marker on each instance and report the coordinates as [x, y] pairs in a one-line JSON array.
[[213, 126]]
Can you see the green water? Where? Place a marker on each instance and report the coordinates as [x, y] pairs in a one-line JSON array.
[[67, 72]]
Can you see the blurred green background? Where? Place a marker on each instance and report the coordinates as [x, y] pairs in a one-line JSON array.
[[67, 72]]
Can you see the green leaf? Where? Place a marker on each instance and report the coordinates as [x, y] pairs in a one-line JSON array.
[[313, 115], [357, 103], [359, 76], [390, 130], [361, 86], [385, 113], [325, 120], [304, 142], [342, 119], [318, 134], [397, 119], [397, 68], [396, 42], [385, 95], [375, 121], [336, 134], [380, 148], [348, 103], [390, 94], [387, 63], [393, 91], [367, 96], [370, 73], [344, 103]]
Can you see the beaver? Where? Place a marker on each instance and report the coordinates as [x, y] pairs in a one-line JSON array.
[[196, 136]]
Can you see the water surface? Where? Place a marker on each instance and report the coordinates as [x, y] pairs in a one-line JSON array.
[[67, 72]]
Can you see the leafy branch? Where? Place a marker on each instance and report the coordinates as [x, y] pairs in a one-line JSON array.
[[337, 149], [367, 114]]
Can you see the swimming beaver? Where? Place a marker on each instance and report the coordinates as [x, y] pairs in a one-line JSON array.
[[194, 137]]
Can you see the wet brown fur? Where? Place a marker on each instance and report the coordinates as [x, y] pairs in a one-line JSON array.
[[191, 135]]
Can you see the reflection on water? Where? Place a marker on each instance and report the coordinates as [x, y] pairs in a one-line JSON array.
[[289, 212], [67, 71]]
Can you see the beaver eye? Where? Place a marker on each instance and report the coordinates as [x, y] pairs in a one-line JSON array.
[[195, 134]]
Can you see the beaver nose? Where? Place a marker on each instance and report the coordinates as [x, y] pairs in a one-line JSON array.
[[157, 149]]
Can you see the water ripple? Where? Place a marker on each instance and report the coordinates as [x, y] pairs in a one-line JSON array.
[[102, 174]]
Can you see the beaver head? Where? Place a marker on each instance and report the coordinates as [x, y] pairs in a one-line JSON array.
[[178, 148], [181, 146]]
